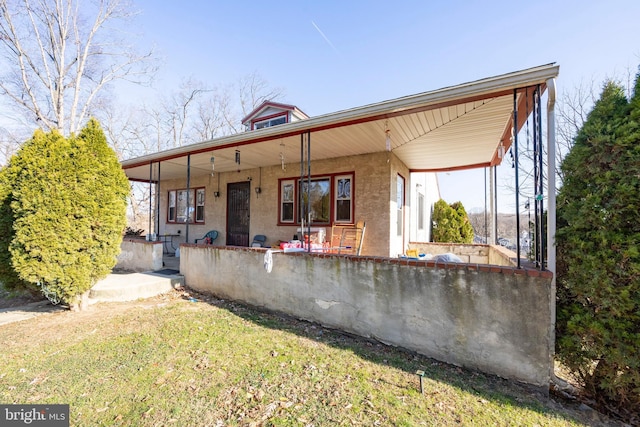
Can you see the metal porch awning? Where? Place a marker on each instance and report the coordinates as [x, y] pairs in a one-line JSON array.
[[458, 127]]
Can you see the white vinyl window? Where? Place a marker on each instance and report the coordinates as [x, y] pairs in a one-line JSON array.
[[343, 199], [200, 205], [180, 208], [171, 214], [287, 200], [325, 200], [272, 122]]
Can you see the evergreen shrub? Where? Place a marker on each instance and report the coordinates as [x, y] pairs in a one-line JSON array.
[[451, 223], [64, 201], [598, 243]]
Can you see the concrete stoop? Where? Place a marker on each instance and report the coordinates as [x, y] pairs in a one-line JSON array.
[[133, 286]]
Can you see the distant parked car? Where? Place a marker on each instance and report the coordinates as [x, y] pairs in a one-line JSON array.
[[504, 242], [479, 240]]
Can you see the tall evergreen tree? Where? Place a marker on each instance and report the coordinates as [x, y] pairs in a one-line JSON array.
[[451, 223], [68, 208], [598, 241], [464, 225]]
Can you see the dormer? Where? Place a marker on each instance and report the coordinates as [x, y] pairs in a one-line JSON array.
[[270, 114]]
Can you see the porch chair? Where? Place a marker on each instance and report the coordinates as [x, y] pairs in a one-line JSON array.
[[347, 239], [209, 238], [259, 241]]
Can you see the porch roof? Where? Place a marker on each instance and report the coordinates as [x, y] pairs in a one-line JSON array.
[[457, 127]]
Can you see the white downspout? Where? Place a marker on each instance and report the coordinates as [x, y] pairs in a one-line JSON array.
[[551, 225]]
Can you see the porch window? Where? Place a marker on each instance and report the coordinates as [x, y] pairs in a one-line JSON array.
[[200, 205], [330, 200], [420, 211], [177, 206], [318, 211], [287, 200], [344, 207], [171, 212]]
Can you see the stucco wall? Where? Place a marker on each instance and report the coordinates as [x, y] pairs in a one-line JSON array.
[[475, 254], [500, 255], [495, 319], [140, 255]]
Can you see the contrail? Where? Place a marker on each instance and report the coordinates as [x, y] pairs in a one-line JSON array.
[[324, 37]]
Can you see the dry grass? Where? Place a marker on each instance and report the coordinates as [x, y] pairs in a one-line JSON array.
[[169, 361]]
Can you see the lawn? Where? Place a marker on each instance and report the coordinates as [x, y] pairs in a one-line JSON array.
[[185, 361]]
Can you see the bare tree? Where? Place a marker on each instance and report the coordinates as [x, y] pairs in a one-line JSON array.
[[180, 112], [194, 112], [571, 112], [572, 108], [61, 55], [9, 144], [212, 116], [252, 90]]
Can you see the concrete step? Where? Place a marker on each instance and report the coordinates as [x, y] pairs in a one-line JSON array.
[[133, 286]]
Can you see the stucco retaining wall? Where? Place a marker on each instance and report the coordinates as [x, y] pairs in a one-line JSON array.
[[494, 319], [474, 254], [140, 255]]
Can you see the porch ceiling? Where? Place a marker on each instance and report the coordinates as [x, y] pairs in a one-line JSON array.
[[458, 127]]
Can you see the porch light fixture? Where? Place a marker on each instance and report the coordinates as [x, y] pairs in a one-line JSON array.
[[238, 156], [500, 150], [387, 133], [213, 166]]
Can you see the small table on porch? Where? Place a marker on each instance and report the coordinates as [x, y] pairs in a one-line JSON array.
[[167, 238]]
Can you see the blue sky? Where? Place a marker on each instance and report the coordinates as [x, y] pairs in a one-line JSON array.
[[333, 55]]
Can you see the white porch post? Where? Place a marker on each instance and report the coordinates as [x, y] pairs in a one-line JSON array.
[[551, 180], [494, 214], [551, 213]]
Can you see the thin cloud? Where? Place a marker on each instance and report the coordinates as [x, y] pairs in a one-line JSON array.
[[324, 37]]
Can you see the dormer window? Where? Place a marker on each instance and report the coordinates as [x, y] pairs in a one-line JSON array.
[[271, 113], [272, 122]]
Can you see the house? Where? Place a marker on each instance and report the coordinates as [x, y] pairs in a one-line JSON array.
[[289, 175], [386, 154]]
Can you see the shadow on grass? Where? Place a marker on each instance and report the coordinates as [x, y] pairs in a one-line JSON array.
[[18, 297], [484, 386]]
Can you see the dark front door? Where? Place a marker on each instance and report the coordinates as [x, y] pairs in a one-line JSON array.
[[238, 213]]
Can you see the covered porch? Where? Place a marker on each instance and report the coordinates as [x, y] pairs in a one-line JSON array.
[[237, 185]]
